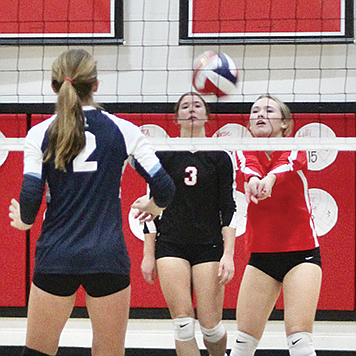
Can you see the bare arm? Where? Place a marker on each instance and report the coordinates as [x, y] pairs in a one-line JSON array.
[[148, 264], [227, 268]]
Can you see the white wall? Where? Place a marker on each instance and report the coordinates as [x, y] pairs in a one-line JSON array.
[[152, 67]]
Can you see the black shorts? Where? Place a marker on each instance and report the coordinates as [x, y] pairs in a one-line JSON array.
[[194, 254], [95, 284], [277, 265]]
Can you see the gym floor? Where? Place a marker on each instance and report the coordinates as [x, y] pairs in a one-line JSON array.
[[71, 351]]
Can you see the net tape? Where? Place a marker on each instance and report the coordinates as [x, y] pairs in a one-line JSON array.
[[229, 144]]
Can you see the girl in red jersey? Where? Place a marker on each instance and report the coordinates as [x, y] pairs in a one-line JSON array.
[[281, 238]]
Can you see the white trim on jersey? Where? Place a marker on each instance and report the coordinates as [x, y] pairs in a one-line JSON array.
[[136, 142], [234, 219], [243, 168], [286, 167], [307, 203], [137, 145], [33, 155]]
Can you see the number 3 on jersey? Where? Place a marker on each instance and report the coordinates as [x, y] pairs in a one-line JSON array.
[[80, 163], [193, 175]]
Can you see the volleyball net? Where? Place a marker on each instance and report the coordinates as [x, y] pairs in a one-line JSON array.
[[229, 144]]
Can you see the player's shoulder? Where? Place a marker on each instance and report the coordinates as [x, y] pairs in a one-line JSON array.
[[222, 156], [122, 124], [171, 155], [38, 131], [103, 118]]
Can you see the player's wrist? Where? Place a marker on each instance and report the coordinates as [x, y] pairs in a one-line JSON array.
[[272, 177]]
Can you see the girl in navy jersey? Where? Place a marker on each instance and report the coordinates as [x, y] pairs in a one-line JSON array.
[[282, 238], [193, 245], [80, 154]]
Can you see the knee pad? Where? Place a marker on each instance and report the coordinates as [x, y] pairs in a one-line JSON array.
[[184, 329], [215, 334], [245, 345], [301, 344]]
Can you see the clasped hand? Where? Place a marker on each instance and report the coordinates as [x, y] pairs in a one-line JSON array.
[[259, 189]]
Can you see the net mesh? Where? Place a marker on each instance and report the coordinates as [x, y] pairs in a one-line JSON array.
[[229, 144], [145, 52], [152, 65]]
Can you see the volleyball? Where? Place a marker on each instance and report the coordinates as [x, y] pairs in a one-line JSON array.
[[214, 73]]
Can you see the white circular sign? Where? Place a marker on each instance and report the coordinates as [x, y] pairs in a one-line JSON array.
[[232, 130], [3, 152], [324, 210], [137, 227], [241, 214], [152, 130], [318, 159]]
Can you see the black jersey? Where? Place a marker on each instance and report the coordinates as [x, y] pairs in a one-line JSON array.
[[82, 230], [203, 202]]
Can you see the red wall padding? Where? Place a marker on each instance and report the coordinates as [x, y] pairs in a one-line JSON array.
[[12, 241], [337, 246]]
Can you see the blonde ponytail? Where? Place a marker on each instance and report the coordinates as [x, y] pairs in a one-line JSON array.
[[73, 77]]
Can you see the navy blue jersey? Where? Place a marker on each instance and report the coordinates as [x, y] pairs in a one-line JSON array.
[[204, 199], [82, 229]]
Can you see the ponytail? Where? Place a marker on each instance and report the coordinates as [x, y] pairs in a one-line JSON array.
[[73, 77]]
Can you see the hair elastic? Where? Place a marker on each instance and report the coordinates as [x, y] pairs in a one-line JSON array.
[[69, 80]]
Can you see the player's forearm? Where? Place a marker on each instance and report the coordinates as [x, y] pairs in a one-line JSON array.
[[30, 198], [162, 188], [229, 240], [149, 245]]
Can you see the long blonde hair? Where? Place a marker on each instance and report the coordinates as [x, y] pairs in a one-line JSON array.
[[74, 74]]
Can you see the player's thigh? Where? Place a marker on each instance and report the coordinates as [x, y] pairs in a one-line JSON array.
[[46, 318], [257, 296], [109, 316], [209, 293], [175, 280], [301, 289]]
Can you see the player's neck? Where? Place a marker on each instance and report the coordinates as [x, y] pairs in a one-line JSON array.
[[88, 102], [192, 132]]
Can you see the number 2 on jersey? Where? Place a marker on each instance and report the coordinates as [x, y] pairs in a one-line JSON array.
[[193, 175], [80, 163]]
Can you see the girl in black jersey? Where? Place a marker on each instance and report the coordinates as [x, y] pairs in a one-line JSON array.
[[80, 153], [194, 240]]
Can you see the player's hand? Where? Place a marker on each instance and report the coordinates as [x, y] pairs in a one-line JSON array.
[[149, 269], [252, 190], [142, 216], [16, 217], [146, 209], [265, 187], [226, 269]]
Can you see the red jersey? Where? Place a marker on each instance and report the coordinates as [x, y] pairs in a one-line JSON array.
[[282, 222]]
